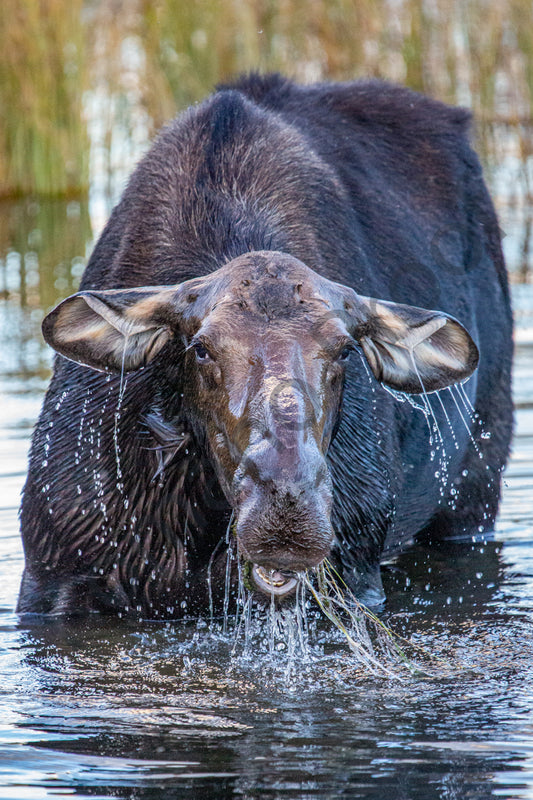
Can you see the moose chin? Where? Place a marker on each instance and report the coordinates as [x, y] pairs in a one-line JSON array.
[[283, 262]]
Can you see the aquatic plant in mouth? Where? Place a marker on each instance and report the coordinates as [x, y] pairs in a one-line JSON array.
[[377, 647]]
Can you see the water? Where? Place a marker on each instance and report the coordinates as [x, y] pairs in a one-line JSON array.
[[115, 709]]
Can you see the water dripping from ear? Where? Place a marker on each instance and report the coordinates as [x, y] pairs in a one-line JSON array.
[[440, 446], [448, 420], [366, 368], [475, 419], [371, 380], [121, 392], [436, 439], [80, 439], [463, 420], [438, 443], [471, 410]]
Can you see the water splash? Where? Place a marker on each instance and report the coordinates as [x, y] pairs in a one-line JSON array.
[[288, 643], [276, 643], [210, 580]]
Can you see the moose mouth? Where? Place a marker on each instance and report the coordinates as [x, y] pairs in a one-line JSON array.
[[273, 582]]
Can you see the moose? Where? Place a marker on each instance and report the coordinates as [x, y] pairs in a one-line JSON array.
[[286, 264]]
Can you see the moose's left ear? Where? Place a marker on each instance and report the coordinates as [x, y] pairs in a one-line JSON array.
[[411, 349]]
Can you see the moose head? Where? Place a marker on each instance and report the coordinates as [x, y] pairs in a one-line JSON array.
[[265, 341]]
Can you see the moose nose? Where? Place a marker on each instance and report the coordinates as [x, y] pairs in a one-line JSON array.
[[283, 504], [282, 471]]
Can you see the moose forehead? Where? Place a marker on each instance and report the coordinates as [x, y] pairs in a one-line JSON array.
[[270, 296]]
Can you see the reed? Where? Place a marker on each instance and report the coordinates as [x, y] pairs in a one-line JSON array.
[[372, 642], [43, 137]]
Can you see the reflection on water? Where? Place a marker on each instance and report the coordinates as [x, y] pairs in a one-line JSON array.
[[103, 709], [43, 250]]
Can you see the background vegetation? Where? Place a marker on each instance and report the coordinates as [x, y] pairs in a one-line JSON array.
[[85, 83]]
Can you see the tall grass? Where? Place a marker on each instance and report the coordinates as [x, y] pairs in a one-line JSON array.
[[475, 51], [43, 137]]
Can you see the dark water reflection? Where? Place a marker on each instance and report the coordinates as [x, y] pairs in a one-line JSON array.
[[105, 709], [43, 249]]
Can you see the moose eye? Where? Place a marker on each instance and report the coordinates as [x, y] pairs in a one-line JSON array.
[[345, 353], [202, 354]]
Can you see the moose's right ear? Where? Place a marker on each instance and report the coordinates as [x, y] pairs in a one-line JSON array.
[[117, 329]]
